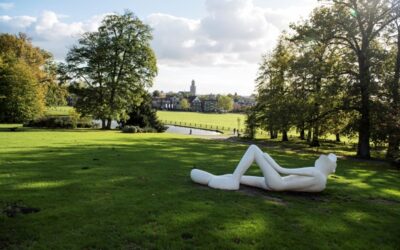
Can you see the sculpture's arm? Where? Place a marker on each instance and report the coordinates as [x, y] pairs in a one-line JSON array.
[[307, 171]]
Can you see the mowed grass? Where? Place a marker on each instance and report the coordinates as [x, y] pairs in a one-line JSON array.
[[109, 190], [226, 123], [222, 121], [59, 110]]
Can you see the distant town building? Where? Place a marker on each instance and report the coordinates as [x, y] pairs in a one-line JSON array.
[[210, 104], [193, 89], [243, 102], [195, 104], [205, 103]]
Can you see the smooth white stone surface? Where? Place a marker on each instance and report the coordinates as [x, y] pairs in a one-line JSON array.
[[276, 178]]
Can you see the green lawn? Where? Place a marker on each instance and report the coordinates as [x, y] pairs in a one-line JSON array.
[[109, 190], [226, 122], [60, 110]]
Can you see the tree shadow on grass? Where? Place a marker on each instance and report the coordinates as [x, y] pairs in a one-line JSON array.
[[137, 193]]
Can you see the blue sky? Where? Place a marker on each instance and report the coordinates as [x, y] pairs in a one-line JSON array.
[[219, 43]]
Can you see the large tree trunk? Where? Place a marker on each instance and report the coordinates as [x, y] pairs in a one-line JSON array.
[[309, 135], [317, 108], [363, 147], [273, 134], [315, 137], [103, 123], [393, 148], [302, 134], [337, 137], [284, 136], [394, 136], [109, 121]]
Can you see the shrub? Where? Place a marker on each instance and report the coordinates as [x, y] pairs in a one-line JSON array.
[[130, 129], [51, 122], [149, 130], [70, 121], [136, 129], [85, 122]]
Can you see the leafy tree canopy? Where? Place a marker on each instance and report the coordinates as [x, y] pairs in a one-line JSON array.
[[225, 103], [23, 78], [116, 65]]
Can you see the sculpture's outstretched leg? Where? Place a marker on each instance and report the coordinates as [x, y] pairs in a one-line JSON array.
[[272, 179], [254, 181]]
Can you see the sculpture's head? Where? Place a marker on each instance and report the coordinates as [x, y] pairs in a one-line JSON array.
[[327, 162]]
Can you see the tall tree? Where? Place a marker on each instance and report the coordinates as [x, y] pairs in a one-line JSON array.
[[393, 86], [275, 99], [22, 76], [22, 96], [314, 71], [185, 105], [356, 24], [225, 103], [20, 47], [55, 89], [251, 123], [116, 64]]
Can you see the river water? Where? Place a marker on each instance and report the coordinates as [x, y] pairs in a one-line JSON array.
[[114, 124], [171, 129]]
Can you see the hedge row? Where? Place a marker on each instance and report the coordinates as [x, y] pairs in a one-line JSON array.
[[61, 122], [136, 129]]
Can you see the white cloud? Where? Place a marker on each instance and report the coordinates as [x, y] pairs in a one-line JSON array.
[[50, 30], [17, 22], [49, 26], [6, 6], [220, 50], [234, 32]]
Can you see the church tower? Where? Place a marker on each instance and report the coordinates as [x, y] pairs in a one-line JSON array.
[[193, 89]]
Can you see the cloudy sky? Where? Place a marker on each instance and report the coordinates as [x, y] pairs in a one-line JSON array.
[[218, 43]]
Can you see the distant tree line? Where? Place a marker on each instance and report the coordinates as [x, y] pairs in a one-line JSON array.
[[208, 103], [336, 72]]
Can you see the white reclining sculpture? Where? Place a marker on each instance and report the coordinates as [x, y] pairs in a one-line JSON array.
[[308, 179]]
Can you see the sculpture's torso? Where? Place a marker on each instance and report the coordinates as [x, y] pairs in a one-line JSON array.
[[317, 182]]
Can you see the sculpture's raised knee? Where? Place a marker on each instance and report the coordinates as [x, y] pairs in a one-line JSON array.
[[253, 146]]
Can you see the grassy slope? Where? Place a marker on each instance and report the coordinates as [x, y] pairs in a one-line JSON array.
[[220, 120], [136, 193]]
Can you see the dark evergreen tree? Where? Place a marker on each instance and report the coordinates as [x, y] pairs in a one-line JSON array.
[[144, 116]]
